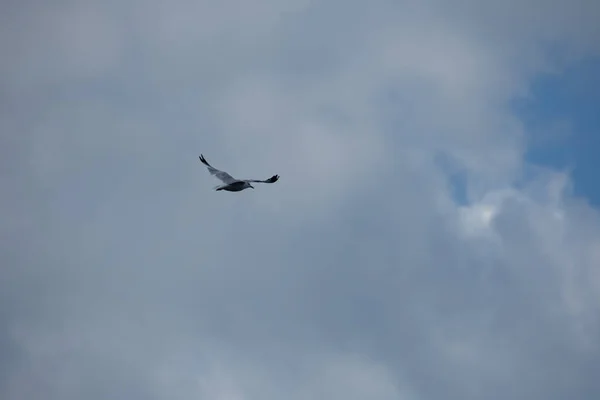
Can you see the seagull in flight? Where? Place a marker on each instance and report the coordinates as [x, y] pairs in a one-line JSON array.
[[230, 183]]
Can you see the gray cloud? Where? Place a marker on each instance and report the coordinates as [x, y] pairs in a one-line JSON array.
[[358, 274]]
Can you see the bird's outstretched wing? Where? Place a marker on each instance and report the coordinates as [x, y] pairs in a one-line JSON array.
[[223, 176], [272, 179]]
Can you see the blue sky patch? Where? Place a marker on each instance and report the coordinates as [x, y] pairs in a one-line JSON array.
[[563, 117]]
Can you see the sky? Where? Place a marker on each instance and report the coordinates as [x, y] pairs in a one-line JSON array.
[[565, 104], [435, 233]]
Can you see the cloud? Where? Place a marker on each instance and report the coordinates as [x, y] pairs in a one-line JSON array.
[[359, 274]]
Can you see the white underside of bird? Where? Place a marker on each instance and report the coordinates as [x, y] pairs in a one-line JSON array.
[[230, 184]]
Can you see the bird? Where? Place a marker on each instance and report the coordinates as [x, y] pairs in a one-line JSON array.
[[230, 183]]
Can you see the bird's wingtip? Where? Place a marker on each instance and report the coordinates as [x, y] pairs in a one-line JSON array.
[[273, 179]]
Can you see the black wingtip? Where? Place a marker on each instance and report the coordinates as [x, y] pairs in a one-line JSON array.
[[273, 179], [203, 159]]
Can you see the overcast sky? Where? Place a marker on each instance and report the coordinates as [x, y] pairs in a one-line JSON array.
[[412, 250]]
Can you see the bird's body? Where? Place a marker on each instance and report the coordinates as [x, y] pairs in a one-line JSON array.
[[234, 187], [230, 183]]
